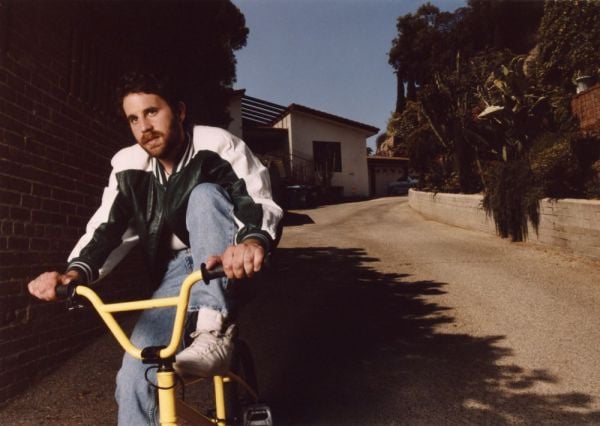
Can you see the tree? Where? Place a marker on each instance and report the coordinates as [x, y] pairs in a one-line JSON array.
[[569, 42], [429, 41], [418, 50], [192, 40], [380, 139], [516, 114], [501, 24], [487, 118]]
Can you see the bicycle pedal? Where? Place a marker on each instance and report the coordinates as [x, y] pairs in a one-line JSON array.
[[258, 415]]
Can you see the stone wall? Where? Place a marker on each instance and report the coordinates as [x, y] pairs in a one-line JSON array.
[[570, 224]]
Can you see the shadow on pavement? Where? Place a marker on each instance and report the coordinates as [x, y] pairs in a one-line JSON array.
[[296, 219], [341, 343]]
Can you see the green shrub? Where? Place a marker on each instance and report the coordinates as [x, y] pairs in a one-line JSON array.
[[556, 166], [512, 198]]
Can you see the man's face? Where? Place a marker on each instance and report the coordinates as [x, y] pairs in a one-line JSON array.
[[154, 124]]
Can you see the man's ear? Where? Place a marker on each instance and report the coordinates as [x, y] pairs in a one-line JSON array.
[[181, 111]]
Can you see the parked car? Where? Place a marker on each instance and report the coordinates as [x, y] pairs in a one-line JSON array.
[[301, 196], [401, 186]]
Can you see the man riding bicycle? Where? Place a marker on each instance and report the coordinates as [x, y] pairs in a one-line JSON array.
[[187, 196]]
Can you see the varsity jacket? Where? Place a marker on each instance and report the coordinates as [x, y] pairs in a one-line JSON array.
[[140, 205]]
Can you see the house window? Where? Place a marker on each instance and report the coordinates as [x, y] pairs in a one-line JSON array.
[[327, 156]]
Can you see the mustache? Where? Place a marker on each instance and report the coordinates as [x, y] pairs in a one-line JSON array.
[[146, 137]]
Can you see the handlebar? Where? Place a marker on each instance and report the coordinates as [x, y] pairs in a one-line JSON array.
[[67, 291], [216, 272], [74, 289]]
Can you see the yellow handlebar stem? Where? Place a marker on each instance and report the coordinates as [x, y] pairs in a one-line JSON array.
[[106, 313]]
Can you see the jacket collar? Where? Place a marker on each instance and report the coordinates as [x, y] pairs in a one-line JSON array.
[[159, 171]]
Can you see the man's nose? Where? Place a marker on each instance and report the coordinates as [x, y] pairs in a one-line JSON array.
[[145, 125]]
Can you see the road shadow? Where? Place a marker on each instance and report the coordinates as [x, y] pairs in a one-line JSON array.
[[296, 219], [338, 342]]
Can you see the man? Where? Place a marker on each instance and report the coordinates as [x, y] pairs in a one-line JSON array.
[[187, 198]]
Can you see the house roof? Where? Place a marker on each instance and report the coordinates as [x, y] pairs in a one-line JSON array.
[[258, 112], [301, 108]]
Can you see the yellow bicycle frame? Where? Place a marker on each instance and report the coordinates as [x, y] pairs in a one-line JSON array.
[[166, 380]]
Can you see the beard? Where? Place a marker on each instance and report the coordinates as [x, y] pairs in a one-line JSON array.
[[168, 147]]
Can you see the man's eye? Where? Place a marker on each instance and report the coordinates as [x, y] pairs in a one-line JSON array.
[[132, 120], [152, 112]]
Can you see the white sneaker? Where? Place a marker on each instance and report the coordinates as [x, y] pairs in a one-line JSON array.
[[211, 351]]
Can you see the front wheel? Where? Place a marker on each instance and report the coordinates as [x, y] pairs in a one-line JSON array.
[[241, 390]]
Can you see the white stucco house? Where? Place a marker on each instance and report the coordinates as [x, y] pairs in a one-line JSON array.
[[308, 143]]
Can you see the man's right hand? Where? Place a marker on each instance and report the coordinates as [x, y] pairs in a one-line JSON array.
[[44, 286]]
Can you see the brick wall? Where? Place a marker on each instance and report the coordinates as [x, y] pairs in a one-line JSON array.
[[57, 134], [586, 107]]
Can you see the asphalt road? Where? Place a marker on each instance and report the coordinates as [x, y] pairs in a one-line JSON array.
[[372, 315]]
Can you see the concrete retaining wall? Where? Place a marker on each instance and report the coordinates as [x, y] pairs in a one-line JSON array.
[[570, 224]]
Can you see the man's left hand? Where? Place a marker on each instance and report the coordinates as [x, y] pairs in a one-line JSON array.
[[240, 261]]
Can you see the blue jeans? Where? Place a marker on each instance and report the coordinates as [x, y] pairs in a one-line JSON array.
[[212, 228]]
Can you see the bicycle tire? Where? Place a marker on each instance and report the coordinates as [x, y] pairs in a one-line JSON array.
[[236, 395]]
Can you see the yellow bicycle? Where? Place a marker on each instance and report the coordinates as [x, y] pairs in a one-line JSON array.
[[236, 400]]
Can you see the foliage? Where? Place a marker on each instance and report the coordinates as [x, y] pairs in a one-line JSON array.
[[420, 48], [592, 184], [198, 46], [487, 102], [556, 166], [516, 114], [500, 24], [512, 198], [569, 42], [439, 129]]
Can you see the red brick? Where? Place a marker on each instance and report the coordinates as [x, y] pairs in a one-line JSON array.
[[18, 243], [41, 190], [46, 217], [18, 213], [39, 244], [18, 228], [9, 198], [11, 123], [586, 107], [51, 206], [8, 93], [30, 202], [16, 184], [9, 272]]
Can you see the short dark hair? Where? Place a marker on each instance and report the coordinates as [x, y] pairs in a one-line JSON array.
[[151, 83]]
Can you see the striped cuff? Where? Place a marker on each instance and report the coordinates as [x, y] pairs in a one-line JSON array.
[[264, 240], [85, 270]]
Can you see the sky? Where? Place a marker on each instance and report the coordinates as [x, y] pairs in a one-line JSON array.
[[330, 55]]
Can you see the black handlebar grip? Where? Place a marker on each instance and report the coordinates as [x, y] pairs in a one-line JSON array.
[[64, 291], [67, 291], [216, 272]]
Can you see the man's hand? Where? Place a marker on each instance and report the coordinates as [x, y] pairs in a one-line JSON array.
[[240, 261], [44, 286]]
